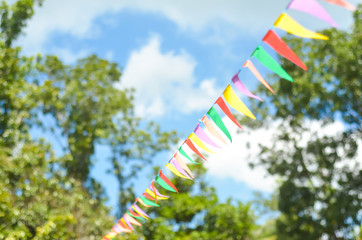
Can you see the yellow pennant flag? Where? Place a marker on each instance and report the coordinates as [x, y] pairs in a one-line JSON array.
[[198, 142], [174, 170], [142, 215], [288, 24], [152, 194], [234, 101]]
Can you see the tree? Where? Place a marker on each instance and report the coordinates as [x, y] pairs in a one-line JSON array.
[[39, 201], [49, 197], [197, 213], [320, 193], [89, 110]]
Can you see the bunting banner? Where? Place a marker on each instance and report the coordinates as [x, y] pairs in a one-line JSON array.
[[211, 132]]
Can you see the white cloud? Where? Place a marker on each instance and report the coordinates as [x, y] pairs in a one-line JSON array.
[[232, 161], [166, 81], [77, 18]]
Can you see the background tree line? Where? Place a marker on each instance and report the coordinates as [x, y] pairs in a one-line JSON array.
[[47, 196]]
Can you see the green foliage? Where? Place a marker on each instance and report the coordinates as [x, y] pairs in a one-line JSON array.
[[320, 194], [196, 213], [48, 197], [14, 18], [39, 201]]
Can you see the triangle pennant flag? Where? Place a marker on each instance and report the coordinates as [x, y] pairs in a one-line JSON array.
[[135, 215], [125, 223], [194, 149], [313, 8], [132, 220], [179, 169], [212, 129], [218, 121], [112, 234], [116, 228], [198, 142], [140, 200], [270, 63], [128, 223], [158, 194], [140, 211], [183, 153], [221, 103], [162, 177], [249, 64], [276, 43], [164, 185], [233, 100], [288, 24], [154, 196], [148, 202], [174, 171], [239, 85], [124, 226], [342, 3], [174, 162], [146, 195], [183, 165], [203, 136]]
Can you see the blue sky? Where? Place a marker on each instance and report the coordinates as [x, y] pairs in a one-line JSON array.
[[179, 56]]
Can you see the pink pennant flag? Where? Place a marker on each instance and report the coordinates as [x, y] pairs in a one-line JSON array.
[[132, 220], [342, 3], [179, 168], [256, 73], [117, 228], [128, 223], [203, 136], [313, 8], [237, 82]]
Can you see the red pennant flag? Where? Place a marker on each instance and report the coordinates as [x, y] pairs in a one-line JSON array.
[[166, 180], [134, 213], [342, 3], [124, 225], [226, 110], [154, 190], [193, 148], [149, 197], [276, 43]]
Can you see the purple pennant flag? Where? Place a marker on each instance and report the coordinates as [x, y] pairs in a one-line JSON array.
[[313, 8], [237, 82], [128, 223], [203, 136], [179, 168], [140, 210], [117, 229]]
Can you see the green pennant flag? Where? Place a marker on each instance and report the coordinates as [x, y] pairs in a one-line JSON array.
[[270, 63], [164, 184], [148, 202], [140, 218], [186, 156], [218, 121]]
